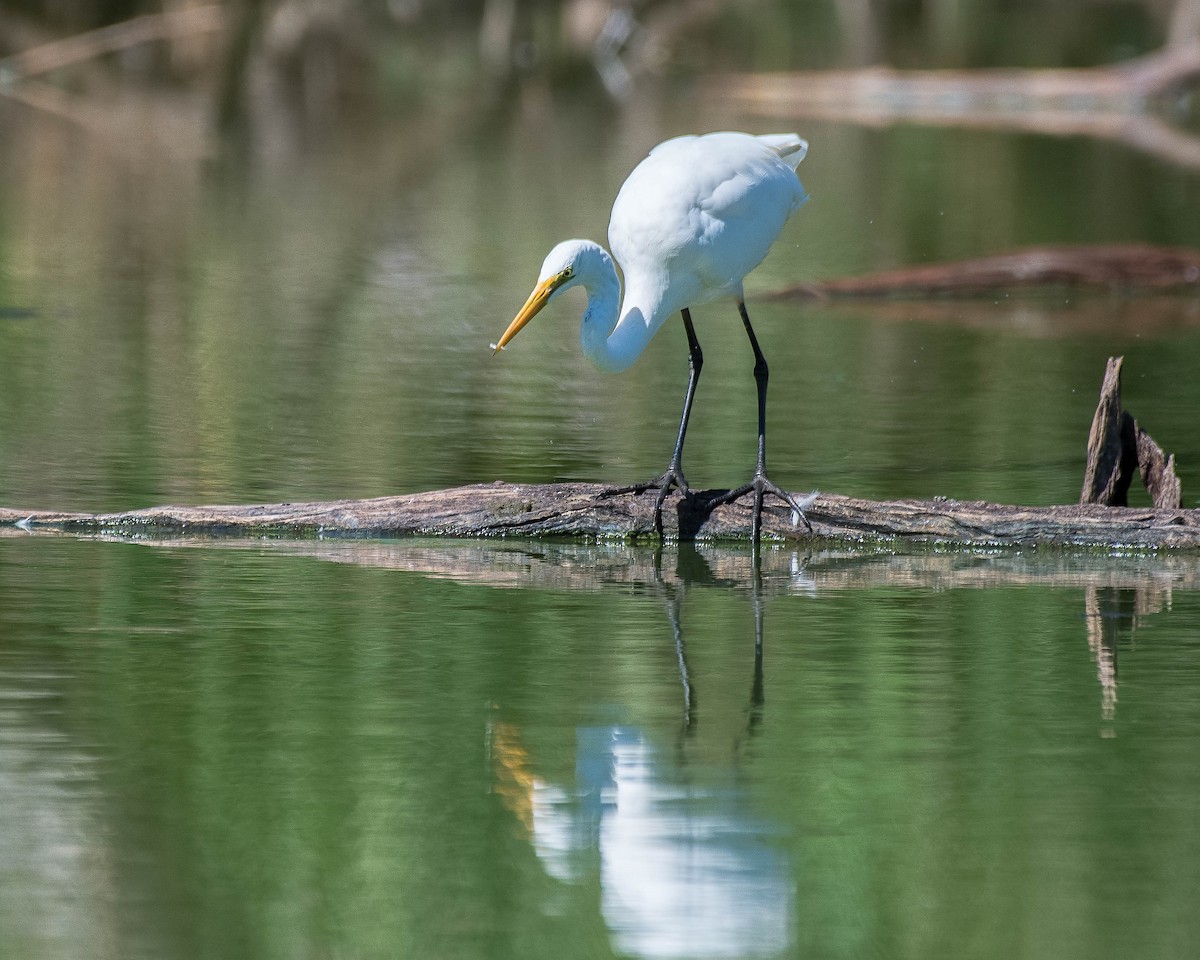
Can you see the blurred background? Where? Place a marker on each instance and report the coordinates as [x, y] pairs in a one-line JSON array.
[[256, 251]]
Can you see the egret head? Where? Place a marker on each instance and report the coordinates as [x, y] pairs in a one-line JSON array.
[[570, 263]]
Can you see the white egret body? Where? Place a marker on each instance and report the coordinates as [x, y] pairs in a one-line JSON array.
[[689, 223]]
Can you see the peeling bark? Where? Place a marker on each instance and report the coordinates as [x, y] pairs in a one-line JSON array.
[[1112, 445], [1158, 472], [1118, 446], [580, 510]]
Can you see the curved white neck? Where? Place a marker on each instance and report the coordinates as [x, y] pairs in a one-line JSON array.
[[613, 336]]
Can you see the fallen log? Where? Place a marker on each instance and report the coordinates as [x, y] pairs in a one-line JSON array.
[[584, 510]]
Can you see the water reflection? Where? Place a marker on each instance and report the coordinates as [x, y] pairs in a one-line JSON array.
[[242, 752], [684, 868], [46, 846], [687, 868], [1120, 591], [1112, 615], [692, 568]]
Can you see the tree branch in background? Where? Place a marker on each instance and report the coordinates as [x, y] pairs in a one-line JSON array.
[[174, 24], [1111, 102], [1184, 26]]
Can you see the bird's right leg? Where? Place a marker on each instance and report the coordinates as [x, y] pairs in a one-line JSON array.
[[673, 475]]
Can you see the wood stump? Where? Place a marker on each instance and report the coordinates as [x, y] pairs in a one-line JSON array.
[[1118, 447]]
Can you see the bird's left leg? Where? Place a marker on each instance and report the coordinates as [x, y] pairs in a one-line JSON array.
[[673, 475], [760, 485]]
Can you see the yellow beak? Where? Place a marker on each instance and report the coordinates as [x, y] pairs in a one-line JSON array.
[[536, 301]]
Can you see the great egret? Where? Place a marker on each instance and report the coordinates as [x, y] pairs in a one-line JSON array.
[[692, 219]]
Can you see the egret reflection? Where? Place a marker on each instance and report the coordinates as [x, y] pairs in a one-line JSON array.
[[683, 869]]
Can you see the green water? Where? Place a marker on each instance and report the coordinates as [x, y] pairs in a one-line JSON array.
[[428, 750], [462, 750], [318, 327]]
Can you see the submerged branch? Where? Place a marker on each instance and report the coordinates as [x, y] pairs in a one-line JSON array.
[[1127, 268]]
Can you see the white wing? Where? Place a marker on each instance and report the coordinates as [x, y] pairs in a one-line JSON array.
[[700, 213]]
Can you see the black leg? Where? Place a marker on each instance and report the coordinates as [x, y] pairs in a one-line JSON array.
[[695, 363], [760, 485], [673, 476]]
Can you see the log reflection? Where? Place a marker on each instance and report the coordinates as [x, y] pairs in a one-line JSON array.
[[1113, 615], [1108, 581]]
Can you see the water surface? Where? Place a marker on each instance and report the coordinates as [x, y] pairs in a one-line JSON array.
[[397, 750], [318, 328]]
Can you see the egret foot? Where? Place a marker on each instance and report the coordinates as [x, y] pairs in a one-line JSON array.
[[760, 486], [671, 477]]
